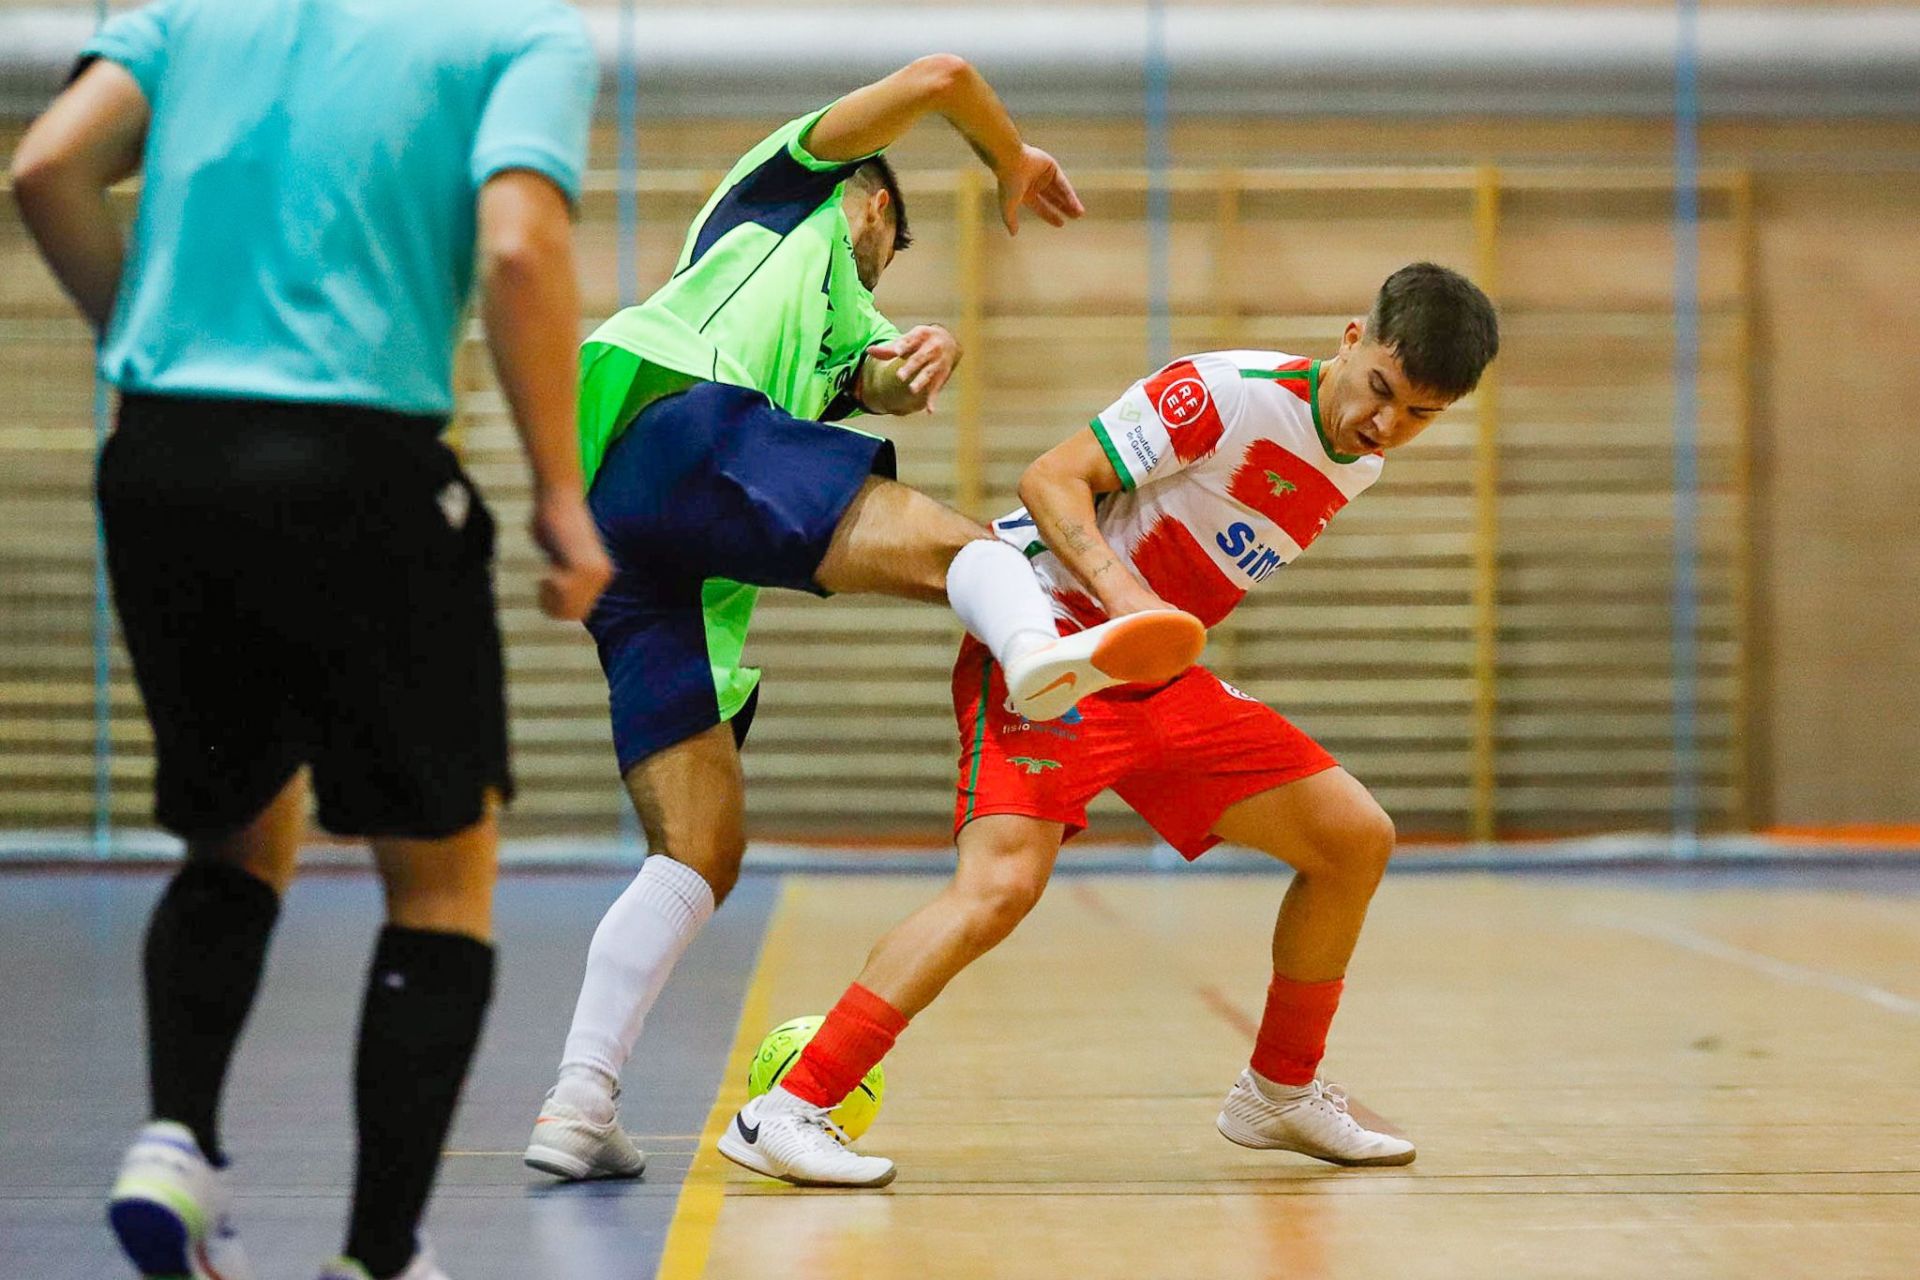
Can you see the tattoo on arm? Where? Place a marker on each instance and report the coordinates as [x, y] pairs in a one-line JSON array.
[[1075, 536]]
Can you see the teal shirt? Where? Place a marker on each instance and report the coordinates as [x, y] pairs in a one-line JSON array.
[[306, 221]]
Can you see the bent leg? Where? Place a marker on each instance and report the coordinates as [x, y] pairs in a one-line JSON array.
[[1338, 839], [426, 999], [897, 541], [690, 798], [206, 949], [1005, 862], [894, 540]]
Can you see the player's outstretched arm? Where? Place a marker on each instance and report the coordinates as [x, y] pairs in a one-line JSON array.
[[532, 309], [1058, 490], [875, 116], [90, 138], [905, 374]]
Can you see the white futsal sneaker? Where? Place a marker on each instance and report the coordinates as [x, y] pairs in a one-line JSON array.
[[789, 1138], [172, 1209], [1312, 1119], [423, 1267], [570, 1144], [1150, 647]]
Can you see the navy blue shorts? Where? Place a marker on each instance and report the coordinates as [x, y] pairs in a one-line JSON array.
[[706, 489]]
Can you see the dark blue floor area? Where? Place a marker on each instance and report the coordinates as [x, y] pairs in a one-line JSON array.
[[72, 1079]]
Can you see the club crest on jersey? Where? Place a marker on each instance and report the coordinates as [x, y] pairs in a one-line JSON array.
[[1250, 556], [1185, 410], [1182, 401]]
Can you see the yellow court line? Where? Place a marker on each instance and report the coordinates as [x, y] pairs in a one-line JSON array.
[[697, 1212]]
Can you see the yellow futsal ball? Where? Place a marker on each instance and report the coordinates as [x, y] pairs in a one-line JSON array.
[[781, 1049]]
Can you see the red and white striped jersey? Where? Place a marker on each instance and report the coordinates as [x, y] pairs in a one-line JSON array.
[[1225, 474]]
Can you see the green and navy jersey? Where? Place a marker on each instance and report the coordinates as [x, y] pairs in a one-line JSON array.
[[765, 294], [1226, 476]]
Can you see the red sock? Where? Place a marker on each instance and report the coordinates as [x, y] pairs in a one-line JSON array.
[[1293, 1032], [857, 1033]]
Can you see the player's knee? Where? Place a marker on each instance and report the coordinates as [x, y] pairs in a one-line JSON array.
[[1364, 844], [952, 537], [727, 869], [997, 904], [716, 858]]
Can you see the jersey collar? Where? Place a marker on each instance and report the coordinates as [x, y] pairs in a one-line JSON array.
[[1313, 401]]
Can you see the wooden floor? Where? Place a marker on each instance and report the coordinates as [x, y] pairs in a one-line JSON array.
[[1607, 1078]]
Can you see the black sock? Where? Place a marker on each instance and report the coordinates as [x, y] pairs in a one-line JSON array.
[[427, 995], [206, 948]]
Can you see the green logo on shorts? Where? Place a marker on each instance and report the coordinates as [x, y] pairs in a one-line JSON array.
[[1033, 766]]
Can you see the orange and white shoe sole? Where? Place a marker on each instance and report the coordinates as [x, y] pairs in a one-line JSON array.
[[1136, 648]]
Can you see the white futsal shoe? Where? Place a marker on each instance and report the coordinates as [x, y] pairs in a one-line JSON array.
[[1312, 1119], [569, 1144], [423, 1267], [1150, 647], [172, 1210], [788, 1138]]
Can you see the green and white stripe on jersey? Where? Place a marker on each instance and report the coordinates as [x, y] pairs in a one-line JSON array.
[[1310, 376]]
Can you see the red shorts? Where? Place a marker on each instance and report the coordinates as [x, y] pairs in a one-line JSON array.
[[1180, 755]]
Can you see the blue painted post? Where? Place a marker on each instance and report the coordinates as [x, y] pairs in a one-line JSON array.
[[1159, 235], [1686, 444], [627, 213], [102, 656], [628, 200], [102, 628]]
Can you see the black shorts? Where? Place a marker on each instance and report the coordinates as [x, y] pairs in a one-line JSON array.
[[306, 584]]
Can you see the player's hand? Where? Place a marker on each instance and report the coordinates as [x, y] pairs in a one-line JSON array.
[[1036, 182], [928, 355], [578, 567]]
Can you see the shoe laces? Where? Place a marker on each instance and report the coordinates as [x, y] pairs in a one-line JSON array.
[[1331, 1094], [819, 1118]]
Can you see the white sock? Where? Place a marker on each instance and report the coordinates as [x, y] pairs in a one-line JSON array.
[[640, 939], [778, 1100], [992, 587], [1274, 1091], [588, 1090]]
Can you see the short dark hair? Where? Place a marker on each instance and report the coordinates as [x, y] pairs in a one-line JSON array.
[[877, 175], [1438, 324]]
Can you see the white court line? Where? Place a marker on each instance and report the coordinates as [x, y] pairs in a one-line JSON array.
[[1799, 975]]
